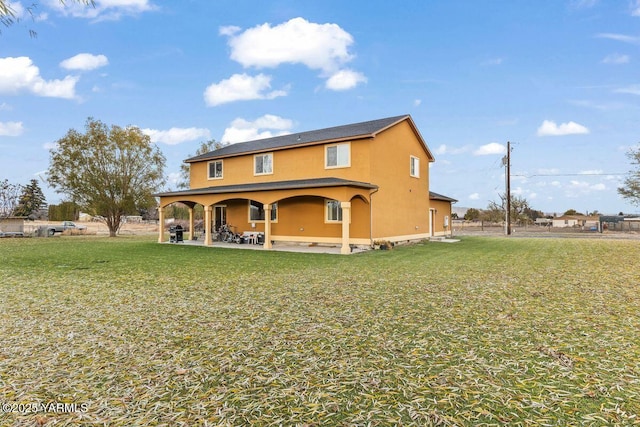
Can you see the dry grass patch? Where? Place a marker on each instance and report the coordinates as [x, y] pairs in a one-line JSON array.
[[483, 332]]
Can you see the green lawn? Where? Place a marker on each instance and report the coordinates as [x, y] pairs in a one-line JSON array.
[[487, 331]]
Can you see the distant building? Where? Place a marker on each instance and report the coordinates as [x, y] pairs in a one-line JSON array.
[[12, 226], [576, 221]]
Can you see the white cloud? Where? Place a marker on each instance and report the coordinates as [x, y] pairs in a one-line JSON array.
[[84, 61], [174, 178], [583, 4], [552, 171], [175, 135], [597, 105], [491, 148], [318, 46], [577, 188], [229, 30], [241, 87], [323, 47], [591, 172], [11, 128], [242, 130], [493, 61], [475, 196], [616, 59], [442, 149], [20, 75], [619, 37], [633, 90], [17, 9], [550, 128], [345, 79], [102, 9], [417, 102], [635, 8]]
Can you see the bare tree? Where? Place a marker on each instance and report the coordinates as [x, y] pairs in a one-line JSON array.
[[9, 197], [520, 209], [631, 189]]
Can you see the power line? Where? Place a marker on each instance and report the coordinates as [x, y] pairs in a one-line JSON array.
[[570, 174]]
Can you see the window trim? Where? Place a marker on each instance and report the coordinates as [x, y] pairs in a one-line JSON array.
[[221, 169], [255, 157], [337, 166], [326, 212], [414, 172], [274, 211]]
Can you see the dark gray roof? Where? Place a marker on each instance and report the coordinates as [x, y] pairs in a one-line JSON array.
[[345, 132], [436, 196], [266, 186]]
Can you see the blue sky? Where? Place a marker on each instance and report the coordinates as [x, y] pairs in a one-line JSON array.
[[559, 79]]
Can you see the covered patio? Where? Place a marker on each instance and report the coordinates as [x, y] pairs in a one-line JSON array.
[[276, 247], [291, 212]]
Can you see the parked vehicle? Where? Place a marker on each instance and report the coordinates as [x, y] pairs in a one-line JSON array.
[[66, 225]]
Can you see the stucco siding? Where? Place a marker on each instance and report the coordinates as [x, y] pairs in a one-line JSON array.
[[288, 164], [401, 206]]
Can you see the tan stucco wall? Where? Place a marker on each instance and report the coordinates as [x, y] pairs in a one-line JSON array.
[[442, 209], [300, 217], [400, 206], [298, 163]]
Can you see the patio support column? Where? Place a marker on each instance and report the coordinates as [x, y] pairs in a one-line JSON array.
[[346, 219], [160, 224], [267, 226], [207, 225], [191, 224]]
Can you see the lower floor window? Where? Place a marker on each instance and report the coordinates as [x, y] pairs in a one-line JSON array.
[[256, 211], [334, 211]]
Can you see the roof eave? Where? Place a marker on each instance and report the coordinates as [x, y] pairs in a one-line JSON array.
[[197, 159]]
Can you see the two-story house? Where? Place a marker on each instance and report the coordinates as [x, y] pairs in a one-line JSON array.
[[345, 185]]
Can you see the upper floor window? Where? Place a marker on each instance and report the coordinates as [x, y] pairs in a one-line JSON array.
[[414, 167], [263, 164], [215, 169], [337, 155]]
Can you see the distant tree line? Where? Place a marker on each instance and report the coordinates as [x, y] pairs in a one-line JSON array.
[[521, 212]]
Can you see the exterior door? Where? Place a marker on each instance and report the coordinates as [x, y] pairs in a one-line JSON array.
[[219, 216]]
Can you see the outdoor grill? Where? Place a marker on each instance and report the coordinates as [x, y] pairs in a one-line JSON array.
[[176, 234]]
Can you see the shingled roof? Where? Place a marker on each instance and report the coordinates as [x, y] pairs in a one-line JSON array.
[[266, 186], [436, 196], [367, 129]]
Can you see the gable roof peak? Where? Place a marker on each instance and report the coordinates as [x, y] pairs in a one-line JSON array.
[[366, 129]]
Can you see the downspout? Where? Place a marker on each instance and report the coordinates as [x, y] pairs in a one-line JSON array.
[[371, 215]]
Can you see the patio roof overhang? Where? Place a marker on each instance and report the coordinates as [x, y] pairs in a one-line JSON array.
[[269, 186], [280, 189]]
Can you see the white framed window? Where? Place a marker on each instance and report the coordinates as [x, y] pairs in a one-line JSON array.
[[215, 169], [337, 156], [263, 164], [333, 211], [256, 211], [414, 167]]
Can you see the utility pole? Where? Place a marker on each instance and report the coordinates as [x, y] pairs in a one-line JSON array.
[[506, 160]]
